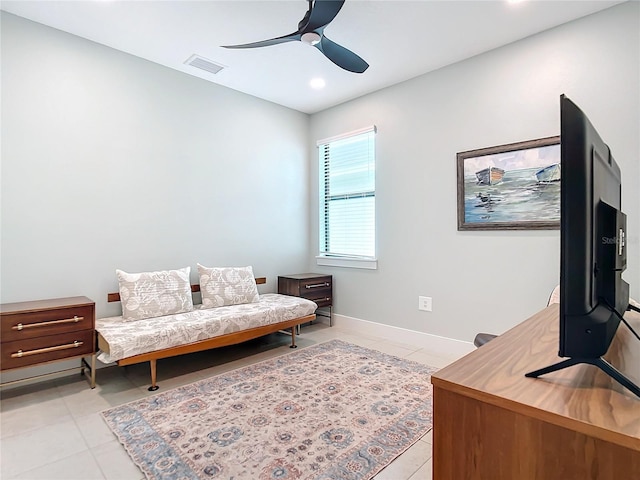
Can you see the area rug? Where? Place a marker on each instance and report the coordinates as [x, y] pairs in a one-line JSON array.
[[326, 412]]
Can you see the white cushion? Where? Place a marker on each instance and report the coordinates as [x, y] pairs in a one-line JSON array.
[[221, 286], [154, 294]]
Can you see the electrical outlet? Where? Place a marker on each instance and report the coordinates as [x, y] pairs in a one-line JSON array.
[[425, 303]]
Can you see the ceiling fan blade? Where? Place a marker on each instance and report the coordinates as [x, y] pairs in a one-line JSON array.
[[292, 37], [341, 56], [322, 13]]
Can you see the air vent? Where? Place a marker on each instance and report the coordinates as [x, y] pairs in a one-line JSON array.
[[203, 64]]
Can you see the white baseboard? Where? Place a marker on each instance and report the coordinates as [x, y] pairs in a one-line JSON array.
[[434, 343]]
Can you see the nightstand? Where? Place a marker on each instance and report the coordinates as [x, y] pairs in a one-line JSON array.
[[312, 286], [46, 331]]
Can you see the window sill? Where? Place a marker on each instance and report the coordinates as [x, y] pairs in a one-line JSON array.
[[349, 262]]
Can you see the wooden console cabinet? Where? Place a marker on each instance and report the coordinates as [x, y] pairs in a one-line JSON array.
[[490, 422], [312, 286], [45, 331]]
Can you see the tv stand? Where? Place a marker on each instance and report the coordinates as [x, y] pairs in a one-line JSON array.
[[490, 422], [599, 362]]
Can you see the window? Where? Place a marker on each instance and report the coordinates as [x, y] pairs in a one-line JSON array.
[[348, 200]]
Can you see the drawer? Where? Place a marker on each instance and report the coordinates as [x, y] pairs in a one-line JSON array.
[[27, 325], [46, 349], [321, 297], [318, 290], [309, 285]]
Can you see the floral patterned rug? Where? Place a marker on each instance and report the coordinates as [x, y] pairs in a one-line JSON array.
[[330, 411]]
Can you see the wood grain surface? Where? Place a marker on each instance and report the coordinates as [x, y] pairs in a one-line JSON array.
[[574, 423]]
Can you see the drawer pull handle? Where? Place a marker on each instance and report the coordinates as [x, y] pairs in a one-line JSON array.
[[20, 353], [22, 326], [317, 285]]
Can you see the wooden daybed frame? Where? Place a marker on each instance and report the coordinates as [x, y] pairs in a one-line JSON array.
[[215, 342]]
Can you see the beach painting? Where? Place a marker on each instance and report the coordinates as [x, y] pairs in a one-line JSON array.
[[510, 187]]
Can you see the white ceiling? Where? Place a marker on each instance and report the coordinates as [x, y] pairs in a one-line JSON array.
[[399, 39]]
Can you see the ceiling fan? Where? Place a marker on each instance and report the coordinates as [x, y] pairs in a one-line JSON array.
[[311, 31]]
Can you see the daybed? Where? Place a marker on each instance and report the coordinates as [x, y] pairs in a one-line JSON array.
[[149, 339]]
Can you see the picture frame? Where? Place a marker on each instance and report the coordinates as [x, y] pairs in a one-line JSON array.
[[510, 187]]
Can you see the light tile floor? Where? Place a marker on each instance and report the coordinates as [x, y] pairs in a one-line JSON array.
[[52, 429]]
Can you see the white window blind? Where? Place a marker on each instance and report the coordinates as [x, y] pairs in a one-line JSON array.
[[348, 195]]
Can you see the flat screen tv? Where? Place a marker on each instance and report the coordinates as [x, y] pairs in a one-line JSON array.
[[593, 249]]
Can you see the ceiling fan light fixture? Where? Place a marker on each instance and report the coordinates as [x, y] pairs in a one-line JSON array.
[[311, 38]]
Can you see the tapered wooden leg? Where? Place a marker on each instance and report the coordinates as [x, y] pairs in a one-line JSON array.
[[153, 387], [293, 337]]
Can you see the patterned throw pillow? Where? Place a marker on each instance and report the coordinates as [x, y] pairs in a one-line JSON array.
[[154, 294], [227, 286]]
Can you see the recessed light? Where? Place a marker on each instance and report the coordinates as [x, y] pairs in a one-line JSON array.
[[317, 83]]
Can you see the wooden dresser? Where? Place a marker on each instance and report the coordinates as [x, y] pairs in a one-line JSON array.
[[45, 331], [312, 286], [490, 422]]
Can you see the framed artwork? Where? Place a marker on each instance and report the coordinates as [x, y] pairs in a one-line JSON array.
[[510, 187]]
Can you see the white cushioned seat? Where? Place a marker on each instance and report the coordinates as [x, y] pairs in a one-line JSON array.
[[120, 339]]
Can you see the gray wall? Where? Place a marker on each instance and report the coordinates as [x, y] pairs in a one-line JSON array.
[[110, 161], [482, 281]]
